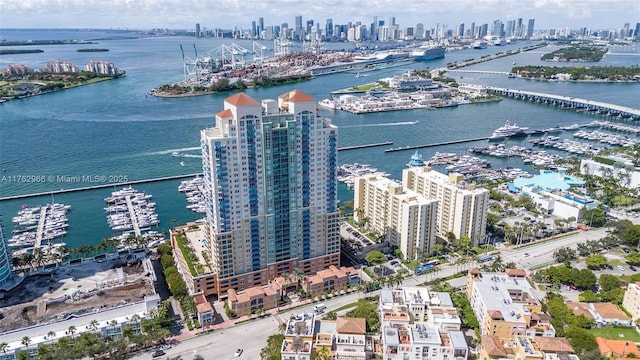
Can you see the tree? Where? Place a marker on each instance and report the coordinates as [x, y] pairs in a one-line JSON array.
[[198, 357], [3, 347], [585, 279], [368, 310], [597, 261], [594, 217], [272, 350], [375, 257], [26, 341], [581, 339], [609, 282], [588, 296], [633, 258]]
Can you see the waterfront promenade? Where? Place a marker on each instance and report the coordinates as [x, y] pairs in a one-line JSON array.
[[569, 102]]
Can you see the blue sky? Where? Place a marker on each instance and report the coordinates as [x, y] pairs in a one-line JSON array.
[[175, 14]]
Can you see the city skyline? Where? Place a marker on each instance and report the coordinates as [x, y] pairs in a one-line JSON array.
[[229, 14]]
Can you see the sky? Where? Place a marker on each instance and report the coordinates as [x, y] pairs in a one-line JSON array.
[[228, 14]]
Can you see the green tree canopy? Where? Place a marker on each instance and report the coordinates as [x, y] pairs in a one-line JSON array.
[[375, 257], [597, 261], [609, 282]]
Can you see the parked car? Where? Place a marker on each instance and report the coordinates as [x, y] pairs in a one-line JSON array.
[[633, 268], [157, 353], [238, 353]]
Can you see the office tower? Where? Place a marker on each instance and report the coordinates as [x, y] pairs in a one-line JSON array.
[[254, 30], [460, 30], [328, 29], [636, 33], [419, 33], [270, 174], [284, 30], [462, 207], [626, 30], [6, 263], [260, 26], [496, 28], [472, 30], [519, 28], [197, 30], [400, 216], [482, 32], [374, 28], [530, 28], [309, 26], [511, 28], [298, 30]]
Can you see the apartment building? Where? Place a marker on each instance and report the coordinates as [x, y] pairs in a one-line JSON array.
[[405, 219], [505, 306], [462, 208], [631, 301]]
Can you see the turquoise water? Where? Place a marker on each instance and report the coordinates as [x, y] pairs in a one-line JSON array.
[[115, 129]]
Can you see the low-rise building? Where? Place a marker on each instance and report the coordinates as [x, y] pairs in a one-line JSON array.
[[522, 347], [602, 313], [331, 279], [204, 310], [343, 339], [617, 349], [109, 323], [247, 302], [619, 168], [504, 305], [417, 324]]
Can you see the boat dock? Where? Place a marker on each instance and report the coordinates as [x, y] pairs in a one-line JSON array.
[[40, 229], [364, 146], [413, 147], [134, 219], [592, 106]]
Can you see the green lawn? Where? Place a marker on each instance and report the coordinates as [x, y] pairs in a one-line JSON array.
[[617, 333]]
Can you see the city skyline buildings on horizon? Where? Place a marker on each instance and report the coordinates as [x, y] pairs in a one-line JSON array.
[[171, 14]]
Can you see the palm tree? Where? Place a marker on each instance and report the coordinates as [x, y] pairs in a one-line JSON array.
[[4, 347], [93, 325], [282, 327], [299, 276], [26, 341], [51, 335], [71, 330]]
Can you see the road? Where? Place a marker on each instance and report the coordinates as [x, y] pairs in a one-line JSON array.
[[251, 336]]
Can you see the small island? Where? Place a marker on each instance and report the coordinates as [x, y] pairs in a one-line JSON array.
[[92, 50], [579, 73], [19, 51], [576, 53], [43, 42], [19, 81]]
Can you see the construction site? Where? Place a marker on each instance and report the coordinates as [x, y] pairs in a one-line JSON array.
[[73, 290]]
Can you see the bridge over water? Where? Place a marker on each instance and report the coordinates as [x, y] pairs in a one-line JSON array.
[[479, 71], [578, 104]]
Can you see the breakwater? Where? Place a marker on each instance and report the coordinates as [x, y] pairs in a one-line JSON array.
[[364, 146], [101, 186], [413, 147]]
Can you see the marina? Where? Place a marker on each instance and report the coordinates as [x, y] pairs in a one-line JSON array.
[[194, 193], [130, 211], [528, 155], [348, 172], [33, 225], [413, 147]]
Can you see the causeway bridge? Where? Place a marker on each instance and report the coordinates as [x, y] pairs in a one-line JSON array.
[[478, 71], [596, 107]]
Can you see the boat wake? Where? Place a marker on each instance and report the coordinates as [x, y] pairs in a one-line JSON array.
[[192, 156], [382, 124], [171, 151]]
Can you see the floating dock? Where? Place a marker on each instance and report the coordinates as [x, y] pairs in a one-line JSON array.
[[413, 147]]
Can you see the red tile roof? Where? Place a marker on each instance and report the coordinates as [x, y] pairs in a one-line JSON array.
[[224, 114], [616, 347], [204, 308], [346, 325], [297, 96], [556, 345], [516, 272], [493, 346], [241, 99]]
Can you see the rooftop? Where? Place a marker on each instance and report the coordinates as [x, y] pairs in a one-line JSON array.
[[505, 297], [549, 180]]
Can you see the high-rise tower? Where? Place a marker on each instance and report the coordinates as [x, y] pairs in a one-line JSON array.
[[6, 264], [270, 173]]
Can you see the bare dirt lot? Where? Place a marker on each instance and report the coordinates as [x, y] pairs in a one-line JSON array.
[[73, 290]]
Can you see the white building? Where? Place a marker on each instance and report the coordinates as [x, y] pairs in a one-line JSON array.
[[622, 169], [404, 338], [270, 183], [110, 323], [631, 301], [405, 219], [462, 208]]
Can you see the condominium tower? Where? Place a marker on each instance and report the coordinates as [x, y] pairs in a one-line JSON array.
[[405, 219], [462, 208], [271, 191]]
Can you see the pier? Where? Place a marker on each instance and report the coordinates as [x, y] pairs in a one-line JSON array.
[[479, 71], [592, 106], [413, 147], [40, 230], [364, 146], [102, 186], [133, 216]]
